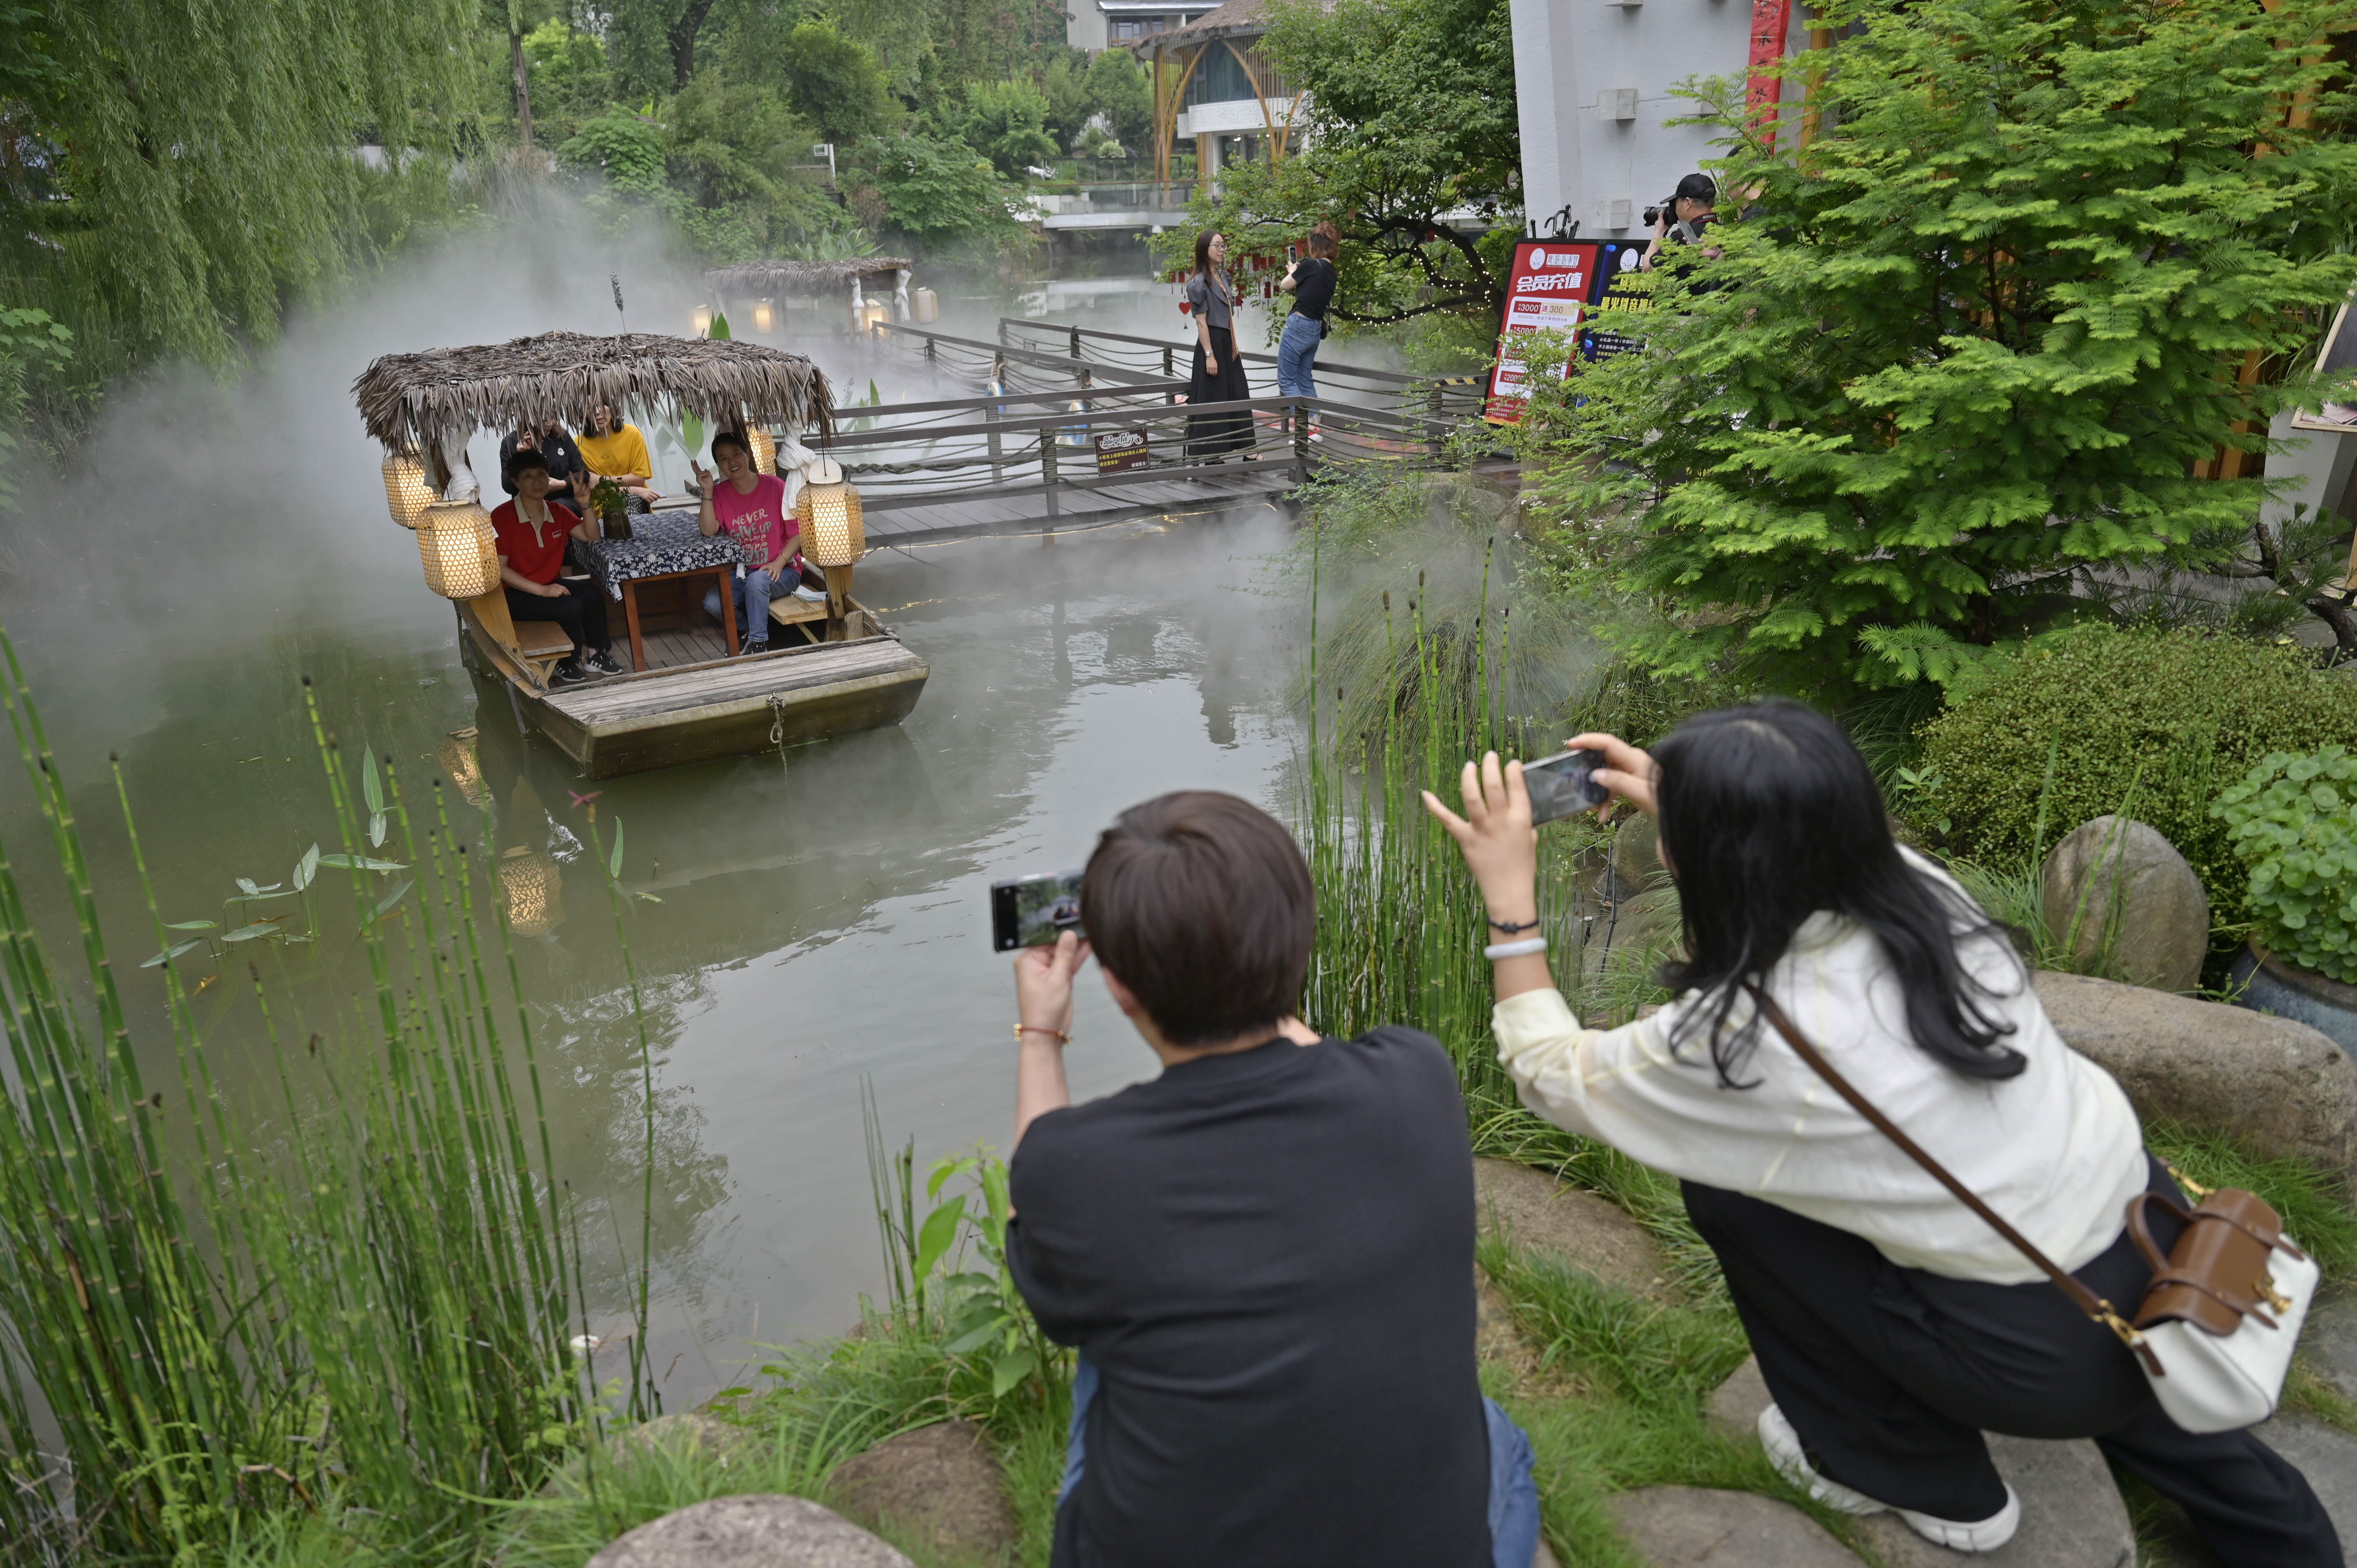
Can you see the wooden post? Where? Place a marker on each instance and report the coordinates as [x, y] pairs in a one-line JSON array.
[[1047, 469], [1434, 430], [1300, 442], [1076, 342], [990, 416], [838, 602], [1168, 372]]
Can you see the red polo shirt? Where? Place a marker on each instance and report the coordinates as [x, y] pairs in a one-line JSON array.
[[528, 554]]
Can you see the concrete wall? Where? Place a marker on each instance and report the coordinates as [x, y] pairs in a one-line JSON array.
[[1579, 63], [1084, 26]]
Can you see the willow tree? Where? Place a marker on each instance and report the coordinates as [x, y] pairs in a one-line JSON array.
[[171, 175], [1978, 343]]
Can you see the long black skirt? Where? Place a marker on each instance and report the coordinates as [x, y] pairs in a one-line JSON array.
[[1216, 435]]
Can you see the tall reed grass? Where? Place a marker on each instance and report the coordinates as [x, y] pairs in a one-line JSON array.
[[346, 1297]]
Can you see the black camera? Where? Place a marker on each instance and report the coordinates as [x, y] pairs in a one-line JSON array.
[[1668, 204]]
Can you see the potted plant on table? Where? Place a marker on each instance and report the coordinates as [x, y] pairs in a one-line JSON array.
[[611, 502], [2293, 821]]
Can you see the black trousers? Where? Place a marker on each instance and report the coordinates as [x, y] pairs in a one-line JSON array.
[[581, 612], [1890, 1375]]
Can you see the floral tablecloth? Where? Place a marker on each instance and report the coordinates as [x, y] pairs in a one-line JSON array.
[[660, 543]]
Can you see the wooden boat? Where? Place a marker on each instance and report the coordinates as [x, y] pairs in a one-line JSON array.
[[694, 700]]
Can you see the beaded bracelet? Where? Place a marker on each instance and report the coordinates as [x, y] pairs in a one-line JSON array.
[[1060, 1037]]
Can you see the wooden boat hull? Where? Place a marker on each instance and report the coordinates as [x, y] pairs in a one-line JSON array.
[[704, 713]]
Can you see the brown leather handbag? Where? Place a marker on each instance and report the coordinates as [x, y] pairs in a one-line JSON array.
[[2215, 1331]]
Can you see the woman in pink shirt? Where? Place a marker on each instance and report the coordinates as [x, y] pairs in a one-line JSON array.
[[750, 506]]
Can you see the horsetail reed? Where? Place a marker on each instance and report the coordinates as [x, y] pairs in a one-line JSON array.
[[354, 1307]]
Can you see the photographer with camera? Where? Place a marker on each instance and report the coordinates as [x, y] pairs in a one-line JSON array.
[[1893, 1322], [1266, 1254], [1682, 219]]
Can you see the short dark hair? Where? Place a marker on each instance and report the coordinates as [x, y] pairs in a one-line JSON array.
[[730, 438], [1200, 904], [1699, 187], [526, 457]]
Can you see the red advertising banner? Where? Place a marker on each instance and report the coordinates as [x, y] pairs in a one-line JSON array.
[[1770, 18], [1547, 291]]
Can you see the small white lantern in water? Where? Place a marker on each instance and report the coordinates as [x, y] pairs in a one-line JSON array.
[[407, 490], [458, 548], [765, 316], [703, 319]]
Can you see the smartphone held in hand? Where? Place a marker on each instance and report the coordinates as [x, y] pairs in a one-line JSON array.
[[1564, 785], [1033, 911]]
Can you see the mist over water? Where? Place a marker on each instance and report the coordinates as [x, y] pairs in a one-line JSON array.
[[824, 915]]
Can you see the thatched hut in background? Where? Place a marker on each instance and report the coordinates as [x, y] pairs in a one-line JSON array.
[[757, 282]]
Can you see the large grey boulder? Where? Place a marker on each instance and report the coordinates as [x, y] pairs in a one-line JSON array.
[[1535, 1210], [2279, 1086], [2327, 1457], [755, 1530], [1634, 862], [2126, 904], [2328, 1341], [1701, 1527], [2072, 1515], [939, 1485]]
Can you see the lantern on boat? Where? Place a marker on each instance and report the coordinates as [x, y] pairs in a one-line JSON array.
[[533, 887], [834, 537], [407, 490], [703, 319], [765, 449], [460, 551], [765, 317]]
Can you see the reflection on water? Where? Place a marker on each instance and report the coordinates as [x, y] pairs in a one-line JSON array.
[[809, 919]]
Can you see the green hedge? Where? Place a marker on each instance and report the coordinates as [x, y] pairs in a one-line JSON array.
[[2172, 716]]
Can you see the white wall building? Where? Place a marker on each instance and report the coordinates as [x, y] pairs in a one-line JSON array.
[[1593, 82]]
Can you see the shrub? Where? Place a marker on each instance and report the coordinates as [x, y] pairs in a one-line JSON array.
[[2153, 721], [2294, 822]]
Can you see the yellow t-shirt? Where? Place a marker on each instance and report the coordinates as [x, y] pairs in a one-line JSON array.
[[624, 452]]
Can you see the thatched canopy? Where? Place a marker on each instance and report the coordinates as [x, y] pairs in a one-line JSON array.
[[407, 399], [768, 280]]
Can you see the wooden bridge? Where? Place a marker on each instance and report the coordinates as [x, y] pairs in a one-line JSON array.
[[1023, 455]]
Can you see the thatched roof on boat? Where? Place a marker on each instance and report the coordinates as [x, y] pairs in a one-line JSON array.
[[767, 280], [408, 399]]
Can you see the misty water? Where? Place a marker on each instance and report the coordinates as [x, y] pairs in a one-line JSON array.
[[823, 918]]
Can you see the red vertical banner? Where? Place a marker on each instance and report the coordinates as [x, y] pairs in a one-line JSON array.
[[1547, 291], [1769, 21]]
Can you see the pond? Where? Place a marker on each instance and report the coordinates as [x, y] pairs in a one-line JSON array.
[[819, 921]]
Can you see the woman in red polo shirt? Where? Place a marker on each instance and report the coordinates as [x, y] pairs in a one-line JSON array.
[[531, 531]]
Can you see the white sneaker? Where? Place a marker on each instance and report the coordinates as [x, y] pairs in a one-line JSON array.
[[1791, 1461]]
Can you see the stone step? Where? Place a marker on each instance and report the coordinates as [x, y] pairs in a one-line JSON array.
[[1700, 1527], [1540, 1212], [755, 1530]]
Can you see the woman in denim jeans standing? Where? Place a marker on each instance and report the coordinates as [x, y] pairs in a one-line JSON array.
[[1310, 282]]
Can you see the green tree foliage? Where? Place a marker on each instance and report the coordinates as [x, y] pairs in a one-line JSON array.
[[1963, 356], [1065, 86], [31, 345], [570, 82], [936, 188], [175, 175], [1411, 114], [1006, 122], [1116, 88], [836, 83]]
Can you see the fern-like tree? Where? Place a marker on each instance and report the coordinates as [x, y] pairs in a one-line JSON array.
[[1976, 341]]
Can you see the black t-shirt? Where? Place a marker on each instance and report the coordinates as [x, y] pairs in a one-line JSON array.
[[1313, 286], [1268, 1257], [564, 460]]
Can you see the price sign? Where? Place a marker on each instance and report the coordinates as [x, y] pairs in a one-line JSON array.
[[1547, 291], [1118, 451]]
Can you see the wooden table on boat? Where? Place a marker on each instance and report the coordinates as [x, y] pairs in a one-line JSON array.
[[662, 547]]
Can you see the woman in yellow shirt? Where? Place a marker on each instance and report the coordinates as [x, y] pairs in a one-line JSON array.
[[616, 451]]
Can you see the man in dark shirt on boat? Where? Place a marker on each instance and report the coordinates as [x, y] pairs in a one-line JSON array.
[[531, 531], [567, 480], [1265, 1255]]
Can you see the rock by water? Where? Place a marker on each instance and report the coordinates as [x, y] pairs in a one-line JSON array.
[[1535, 1210], [755, 1530], [2127, 903], [1700, 1527], [940, 1484]]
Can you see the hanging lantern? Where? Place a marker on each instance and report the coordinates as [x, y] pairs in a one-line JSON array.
[[927, 307], [703, 319], [533, 887], [459, 550], [832, 533], [407, 490], [457, 755], [765, 316], [765, 449]]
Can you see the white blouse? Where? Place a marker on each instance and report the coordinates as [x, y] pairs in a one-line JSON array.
[[2056, 1149]]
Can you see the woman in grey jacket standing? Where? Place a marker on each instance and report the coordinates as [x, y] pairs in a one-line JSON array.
[[1218, 375], [1893, 1326]]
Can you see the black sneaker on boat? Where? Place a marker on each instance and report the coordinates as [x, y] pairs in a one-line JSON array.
[[598, 662], [747, 650], [566, 673]]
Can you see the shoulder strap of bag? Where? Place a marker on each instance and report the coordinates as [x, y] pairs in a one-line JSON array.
[[2087, 1300]]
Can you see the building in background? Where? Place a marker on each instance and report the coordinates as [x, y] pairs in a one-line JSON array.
[[1593, 80], [1093, 25], [1212, 84]]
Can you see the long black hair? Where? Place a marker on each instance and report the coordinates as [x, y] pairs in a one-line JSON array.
[[1768, 815]]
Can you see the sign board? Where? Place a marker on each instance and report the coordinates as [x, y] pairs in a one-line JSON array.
[[1617, 269], [1118, 451], [1547, 290]]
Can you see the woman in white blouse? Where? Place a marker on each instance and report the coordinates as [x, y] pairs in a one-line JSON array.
[[1891, 1324]]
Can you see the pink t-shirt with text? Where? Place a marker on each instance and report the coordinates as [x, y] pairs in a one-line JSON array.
[[760, 522]]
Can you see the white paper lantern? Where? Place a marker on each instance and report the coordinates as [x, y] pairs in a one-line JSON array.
[[407, 491], [458, 548], [833, 532]]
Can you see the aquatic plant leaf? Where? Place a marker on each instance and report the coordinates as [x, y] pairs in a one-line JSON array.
[[306, 868], [648, 896], [245, 885], [247, 933], [263, 897], [975, 1338], [372, 787], [363, 863], [175, 950], [376, 831], [614, 861], [718, 334], [390, 899], [734, 1393], [938, 1234], [690, 432], [1011, 1370], [190, 925]]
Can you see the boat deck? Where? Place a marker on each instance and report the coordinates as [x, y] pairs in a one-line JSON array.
[[622, 700]]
